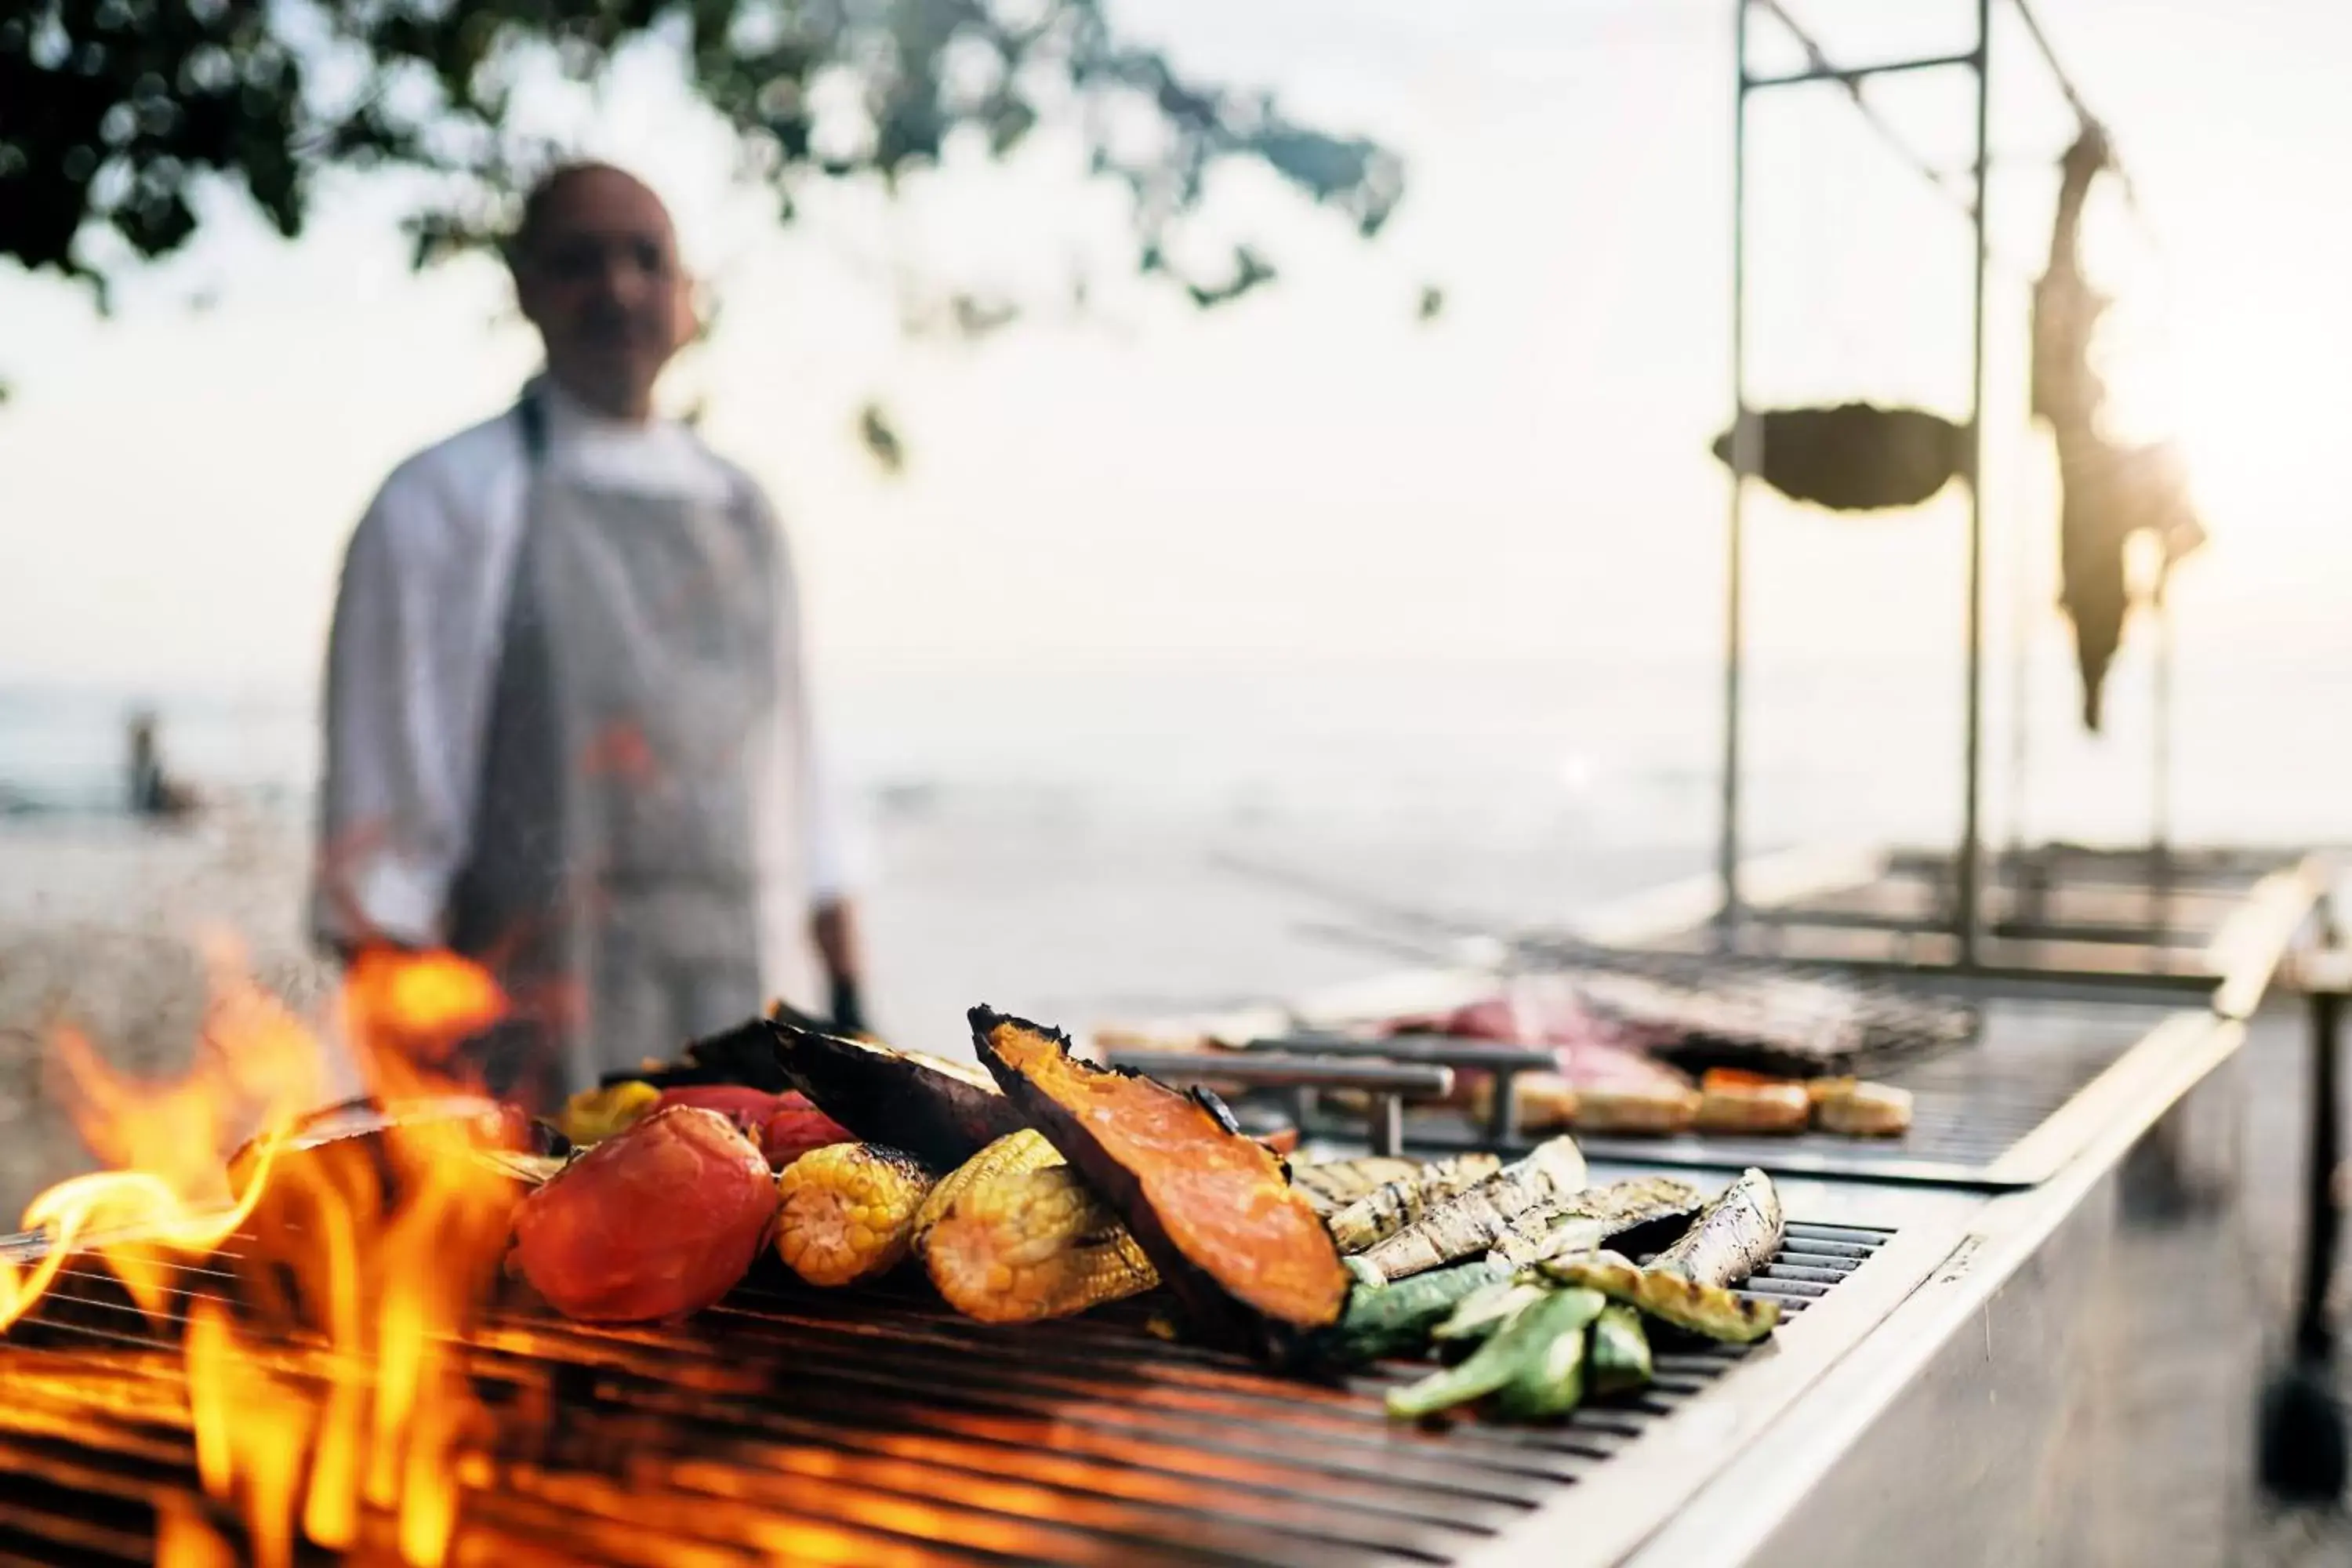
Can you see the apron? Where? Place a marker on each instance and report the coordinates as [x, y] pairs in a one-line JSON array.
[[612, 879]]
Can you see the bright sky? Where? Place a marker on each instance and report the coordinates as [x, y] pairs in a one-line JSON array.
[[1310, 473]]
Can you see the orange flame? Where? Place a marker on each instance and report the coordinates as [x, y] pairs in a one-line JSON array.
[[349, 1395]]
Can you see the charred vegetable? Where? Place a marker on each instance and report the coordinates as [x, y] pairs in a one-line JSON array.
[[1736, 1234], [1396, 1320], [656, 1221], [1015, 1151], [1597, 1216], [1391, 1206], [1619, 1358], [942, 1112], [848, 1211], [1336, 1184], [593, 1115], [1521, 1347], [1474, 1220], [1022, 1246], [1213, 1211], [1703, 1309], [1550, 1379], [1489, 1309]]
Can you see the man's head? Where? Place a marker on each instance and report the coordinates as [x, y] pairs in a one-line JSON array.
[[596, 269]]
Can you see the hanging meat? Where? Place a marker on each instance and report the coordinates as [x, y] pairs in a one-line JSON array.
[[2109, 492], [1856, 457]]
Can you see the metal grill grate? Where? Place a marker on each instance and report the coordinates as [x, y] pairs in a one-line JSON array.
[[797, 1425], [1971, 1106]]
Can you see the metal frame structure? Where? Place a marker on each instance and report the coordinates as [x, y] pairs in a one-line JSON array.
[[1968, 915]]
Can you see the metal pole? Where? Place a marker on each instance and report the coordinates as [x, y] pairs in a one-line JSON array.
[[1970, 911], [1743, 462], [2159, 846]]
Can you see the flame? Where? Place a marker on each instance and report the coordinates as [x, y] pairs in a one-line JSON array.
[[339, 1387]]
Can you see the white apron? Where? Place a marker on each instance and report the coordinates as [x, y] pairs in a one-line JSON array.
[[612, 876]]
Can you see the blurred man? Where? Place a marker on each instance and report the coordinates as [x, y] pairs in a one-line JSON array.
[[566, 732]]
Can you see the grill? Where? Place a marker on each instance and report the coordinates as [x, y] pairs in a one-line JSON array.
[[868, 1427], [1973, 1107]]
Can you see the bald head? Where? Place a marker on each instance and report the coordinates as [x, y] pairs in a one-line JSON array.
[[596, 269]]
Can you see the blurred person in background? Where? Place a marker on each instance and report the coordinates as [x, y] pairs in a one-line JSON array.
[[567, 732], [155, 793]]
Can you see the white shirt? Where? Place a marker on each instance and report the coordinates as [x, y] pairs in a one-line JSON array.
[[419, 624]]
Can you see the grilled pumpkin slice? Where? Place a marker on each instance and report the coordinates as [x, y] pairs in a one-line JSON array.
[[942, 1112], [1241, 1248]]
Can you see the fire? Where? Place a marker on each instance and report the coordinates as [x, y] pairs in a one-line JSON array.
[[337, 1389]]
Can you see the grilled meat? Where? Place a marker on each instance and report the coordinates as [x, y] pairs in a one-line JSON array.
[[1663, 1108], [1735, 1235], [1704, 1309], [1391, 1206], [1335, 1183], [1214, 1210], [848, 1211], [1026, 1245], [1474, 1220], [942, 1112], [1864, 1110], [1596, 1216], [657, 1221]]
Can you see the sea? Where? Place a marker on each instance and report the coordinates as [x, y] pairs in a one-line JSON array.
[[1129, 840]]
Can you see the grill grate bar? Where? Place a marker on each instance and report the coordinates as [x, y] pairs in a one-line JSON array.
[[862, 1428]]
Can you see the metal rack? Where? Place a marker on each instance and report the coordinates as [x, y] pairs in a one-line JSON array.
[[1968, 916]]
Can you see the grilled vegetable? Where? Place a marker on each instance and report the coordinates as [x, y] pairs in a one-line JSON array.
[[744, 1056], [1665, 1107], [593, 1115], [942, 1112], [1486, 1310], [1015, 1151], [1595, 1217], [1213, 1211], [1517, 1345], [1547, 1103], [1620, 1356], [1735, 1235], [794, 1127], [1704, 1309], [1022, 1246], [1391, 1206], [1396, 1320], [1740, 1104], [659, 1220], [848, 1211], [1336, 1184], [1551, 1380], [1474, 1220], [1862, 1110]]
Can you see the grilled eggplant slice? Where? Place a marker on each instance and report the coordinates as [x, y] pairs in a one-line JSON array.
[[1335, 1183], [1704, 1309], [1214, 1210], [1597, 1216], [942, 1112], [1393, 1205], [1735, 1235], [1474, 1220]]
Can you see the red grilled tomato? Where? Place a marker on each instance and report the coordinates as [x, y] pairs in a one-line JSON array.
[[659, 1220]]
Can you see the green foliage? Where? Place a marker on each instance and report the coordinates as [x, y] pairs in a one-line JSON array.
[[112, 111]]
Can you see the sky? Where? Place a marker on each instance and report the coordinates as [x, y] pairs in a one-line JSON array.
[[1312, 474]]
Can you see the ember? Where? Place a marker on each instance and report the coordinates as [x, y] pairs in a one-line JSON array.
[[363, 1261]]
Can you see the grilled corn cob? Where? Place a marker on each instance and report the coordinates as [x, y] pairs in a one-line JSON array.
[[848, 1211], [1033, 1244], [1015, 1151]]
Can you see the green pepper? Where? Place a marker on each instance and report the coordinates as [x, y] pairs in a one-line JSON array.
[[1508, 1355], [1395, 1320], [1486, 1310], [1549, 1379], [1621, 1351]]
